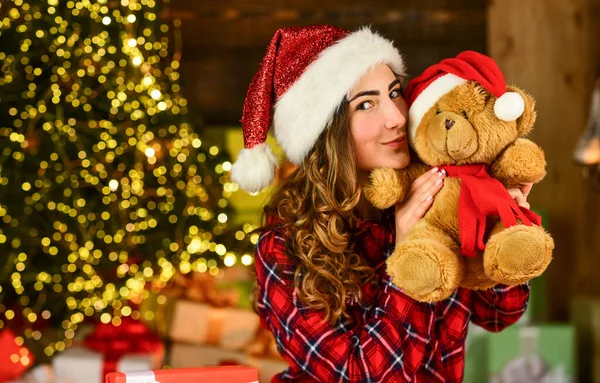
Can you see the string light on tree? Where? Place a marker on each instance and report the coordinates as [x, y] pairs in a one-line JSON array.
[[110, 187]]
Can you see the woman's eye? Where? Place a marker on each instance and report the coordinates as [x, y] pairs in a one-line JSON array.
[[395, 93], [364, 105]]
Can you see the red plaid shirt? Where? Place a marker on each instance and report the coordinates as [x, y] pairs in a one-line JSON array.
[[390, 338]]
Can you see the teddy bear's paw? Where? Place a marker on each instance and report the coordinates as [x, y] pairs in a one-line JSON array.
[[515, 255], [385, 188], [522, 162], [425, 270]]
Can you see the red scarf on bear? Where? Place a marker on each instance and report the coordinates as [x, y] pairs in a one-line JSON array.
[[482, 196]]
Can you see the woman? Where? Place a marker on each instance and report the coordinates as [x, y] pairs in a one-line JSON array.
[[335, 104]]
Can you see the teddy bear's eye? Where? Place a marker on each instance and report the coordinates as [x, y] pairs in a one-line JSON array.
[[465, 114], [438, 111]]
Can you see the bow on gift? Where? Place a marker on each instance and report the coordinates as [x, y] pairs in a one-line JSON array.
[[200, 287], [131, 337]]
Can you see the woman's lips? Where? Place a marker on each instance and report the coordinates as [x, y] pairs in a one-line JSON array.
[[396, 143]]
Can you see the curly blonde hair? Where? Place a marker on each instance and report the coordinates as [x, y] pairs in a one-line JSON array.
[[317, 205]]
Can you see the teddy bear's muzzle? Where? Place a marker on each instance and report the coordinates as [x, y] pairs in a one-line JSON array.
[[452, 136]]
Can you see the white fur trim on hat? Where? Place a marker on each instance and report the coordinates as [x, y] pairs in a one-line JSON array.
[[428, 97], [307, 108], [255, 168], [509, 106]]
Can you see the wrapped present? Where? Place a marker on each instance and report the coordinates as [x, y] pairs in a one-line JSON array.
[[476, 370], [190, 356], [199, 323], [193, 310], [585, 315], [532, 354], [15, 359], [42, 373], [230, 374], [109, 348]]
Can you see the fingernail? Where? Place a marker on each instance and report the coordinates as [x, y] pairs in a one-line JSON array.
[[434, 169], [429, 198], [442, 173], [438, 181]]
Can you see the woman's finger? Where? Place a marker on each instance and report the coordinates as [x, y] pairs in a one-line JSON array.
[[423, 179], [526, 189], [519, 198], [421, 201], [430, 187]]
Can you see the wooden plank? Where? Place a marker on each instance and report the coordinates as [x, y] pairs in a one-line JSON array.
[[256, 31], [238, 24], [215, 83], [549, 48]]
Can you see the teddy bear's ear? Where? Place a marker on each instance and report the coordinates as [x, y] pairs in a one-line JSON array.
[[527, 119]]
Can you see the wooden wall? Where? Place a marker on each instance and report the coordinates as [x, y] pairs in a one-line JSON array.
[[224, 41], [551, 49], [547, 47]]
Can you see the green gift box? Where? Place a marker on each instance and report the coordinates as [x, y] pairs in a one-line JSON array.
[[585, 315], [476, 355], [532, 354]]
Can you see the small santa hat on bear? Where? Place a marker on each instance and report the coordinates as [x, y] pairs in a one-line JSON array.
[[424, 91], [302, 80]]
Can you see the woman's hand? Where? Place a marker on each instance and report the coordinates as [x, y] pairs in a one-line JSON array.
[[520, 194], [418, 201]]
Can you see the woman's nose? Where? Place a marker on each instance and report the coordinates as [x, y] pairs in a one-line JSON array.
[[394, 117]]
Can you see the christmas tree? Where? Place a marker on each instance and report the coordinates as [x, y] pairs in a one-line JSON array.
[[105, 186]]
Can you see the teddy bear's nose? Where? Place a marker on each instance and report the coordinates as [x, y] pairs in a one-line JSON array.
[[449, 124]]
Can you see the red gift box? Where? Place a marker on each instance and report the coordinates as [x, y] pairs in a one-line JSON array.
[[15, 360], [131, 337], [228, 374]]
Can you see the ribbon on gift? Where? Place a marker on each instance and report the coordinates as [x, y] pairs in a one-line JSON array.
[[200, 287], [130, 337]]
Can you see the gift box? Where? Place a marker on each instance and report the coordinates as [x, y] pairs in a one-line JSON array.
[[15, 359], [229, 374], [42, 373], [198, 308], [532, 354], [127, 347], [190, 356], [476, 370], [585, 315]]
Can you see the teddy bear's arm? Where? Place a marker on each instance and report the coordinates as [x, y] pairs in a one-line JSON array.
[[521, 162], [388, 186]]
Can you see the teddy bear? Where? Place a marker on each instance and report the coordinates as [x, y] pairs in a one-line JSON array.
[[464, 120]]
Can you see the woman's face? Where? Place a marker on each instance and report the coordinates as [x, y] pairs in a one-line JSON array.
[[378, 116]]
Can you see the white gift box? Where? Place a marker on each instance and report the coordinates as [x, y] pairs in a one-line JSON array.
[[199, 323], [81, 365]]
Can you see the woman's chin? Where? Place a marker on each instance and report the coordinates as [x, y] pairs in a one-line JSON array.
[[398, 163]]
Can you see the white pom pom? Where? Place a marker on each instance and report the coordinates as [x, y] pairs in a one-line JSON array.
[[255, 168], [509, 106]]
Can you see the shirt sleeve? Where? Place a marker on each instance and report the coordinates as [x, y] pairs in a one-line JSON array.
[[499, 307], [385, 343]]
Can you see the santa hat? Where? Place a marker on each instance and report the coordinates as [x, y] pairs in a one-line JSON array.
[[425, 90], [305, 75]]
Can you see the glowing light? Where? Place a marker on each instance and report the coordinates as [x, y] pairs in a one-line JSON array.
[[150, 152], [106, 20], [113, 185], [155, 94]]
